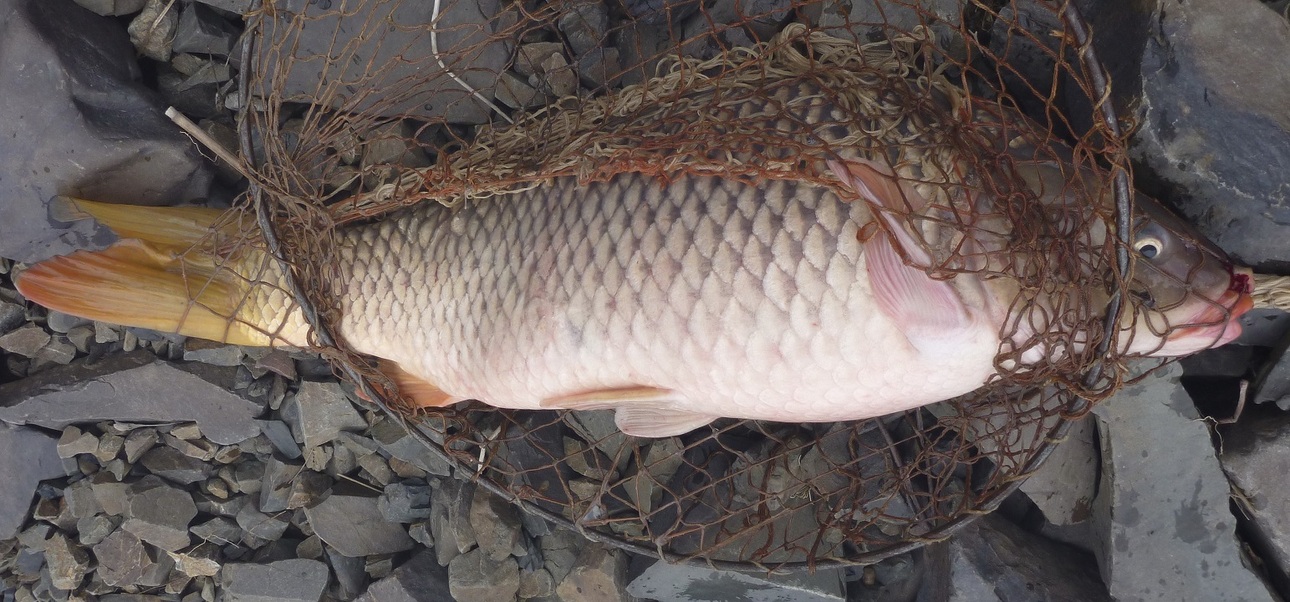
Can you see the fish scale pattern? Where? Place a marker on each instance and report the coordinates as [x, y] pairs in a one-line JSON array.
[[736, 298]]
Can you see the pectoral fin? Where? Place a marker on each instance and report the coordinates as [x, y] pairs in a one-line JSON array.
[[638, 411]]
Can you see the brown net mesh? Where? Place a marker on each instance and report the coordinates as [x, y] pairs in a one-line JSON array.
[[989, 110]]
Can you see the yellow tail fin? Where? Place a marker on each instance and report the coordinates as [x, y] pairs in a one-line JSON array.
[[165, 274]]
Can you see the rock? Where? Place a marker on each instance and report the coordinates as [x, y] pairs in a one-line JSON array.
[[215, 354], [349, 573], [68, 563], [465, 31], [279, 435], [398, 443], [449, 518], [664, 581], [536, 584], [74, 441], [517, 93], [375, 467], [354, 526], [195, 565], [1163, 502], [131, 387], [203, 31], [62, 323], [555, 77], [290, 580], [597, 576], [420, 579], [113, 496], [1272, 381], [600, 68], [394, 144], [474, 577], [153, 30], [80, 499], [219, 531], [93, 530], [106, 333], [197, 449], [1256, 456], [58, 351], [26, 341], [993, 559], [88, 98], [138, 442], [80, 338], [496, 524], [121, 559], [241, 7], [1064, 486], [275, 489], [110, 444], [1262, 327], [403, 503], [30, 456], [319, 412], [261, 525], [1214, 115], [12, 316], [171, 465], [584, 23], [112, 8], [248, 477], [159, 514]]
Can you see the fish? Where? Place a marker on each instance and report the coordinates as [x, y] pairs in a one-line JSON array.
[[672, 301]]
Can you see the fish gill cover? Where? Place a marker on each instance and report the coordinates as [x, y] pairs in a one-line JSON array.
[[943, 95]]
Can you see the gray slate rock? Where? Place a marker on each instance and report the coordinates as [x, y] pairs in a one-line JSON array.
[[293, 580], [682, 583], [496, 523], [354, 526], [598, 574], [1064, 486], [30, 456], [474, 577], [318, 412], [121, 558], [132, 387], [12, 315], [26, 341], [350, 573], [202, 30], [1256, 456], [993, 559], [168, 463], [74, 441], [404, 503], [463, 27], [68, 562], [152, 31], [112, 8], [102, 135], [240, 7], [1163, 506], [398, 443], [1214, 113], [219, 531], [159, 514], [260, 525], [420, 579]]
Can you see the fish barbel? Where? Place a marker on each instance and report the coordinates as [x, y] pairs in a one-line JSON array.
[[673, 302]]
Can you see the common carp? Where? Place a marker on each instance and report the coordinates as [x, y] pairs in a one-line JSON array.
[[673, 303]]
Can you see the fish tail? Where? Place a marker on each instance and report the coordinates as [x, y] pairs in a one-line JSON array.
[[167, 273]]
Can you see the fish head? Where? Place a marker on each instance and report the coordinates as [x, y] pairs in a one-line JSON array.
[[1185, 294]]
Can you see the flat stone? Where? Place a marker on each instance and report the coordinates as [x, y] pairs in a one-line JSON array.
[[289, 580], [219, 531], [1064, 486], [138, 442], [80, 499], [496, 524], [26, 341], [585, 23], [113, 495], [197, 564], [536, 584], [261, 525], [139, 155], [450, 519], [215, 354], [1256, 457], [663, 581], [112, 8], [203, 31], [93, 530], [241, 7], [74, 441], [399, 444], [517, 93], [1163, 506], [121, 559], [596, 576], [318, 412], [993, 559], [81, 337], [354, 526], [68, 562], [12, 316], [474, 577], [131, 387], [197, 449], [404, 503], [464, 29], [153, 30], [420, 579], [168, 463], [275, 488], [248, 477], [350, 573], [110, 444], [279, 434], [159, 514], [30, 456]]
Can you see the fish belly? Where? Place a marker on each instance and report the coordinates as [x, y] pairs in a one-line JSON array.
[[743, 300]]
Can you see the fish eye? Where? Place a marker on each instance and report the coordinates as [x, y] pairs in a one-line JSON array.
[[1148, 247]]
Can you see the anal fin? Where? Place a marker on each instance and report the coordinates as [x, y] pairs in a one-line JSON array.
[[655, 422], [422, 392]]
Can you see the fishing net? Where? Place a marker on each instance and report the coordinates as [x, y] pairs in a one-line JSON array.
[[352, 109]]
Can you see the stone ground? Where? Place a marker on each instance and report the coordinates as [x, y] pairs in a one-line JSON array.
[[142, 466]]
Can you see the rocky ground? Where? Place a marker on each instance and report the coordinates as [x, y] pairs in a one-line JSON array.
[[142, 466]]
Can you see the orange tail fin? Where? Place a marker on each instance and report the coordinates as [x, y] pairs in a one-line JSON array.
[[166, 275]]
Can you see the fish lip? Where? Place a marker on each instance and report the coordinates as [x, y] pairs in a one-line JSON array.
[[1220, 320]]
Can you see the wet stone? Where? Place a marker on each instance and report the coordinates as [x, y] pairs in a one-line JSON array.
[[354, 526], [289, 580], [1256, 457], [995, 559], [474, 577], [74, 441], [159, 514], [1064, 486], [168, 463]]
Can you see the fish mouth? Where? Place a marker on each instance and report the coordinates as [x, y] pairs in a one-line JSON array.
[[1219, 321]]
